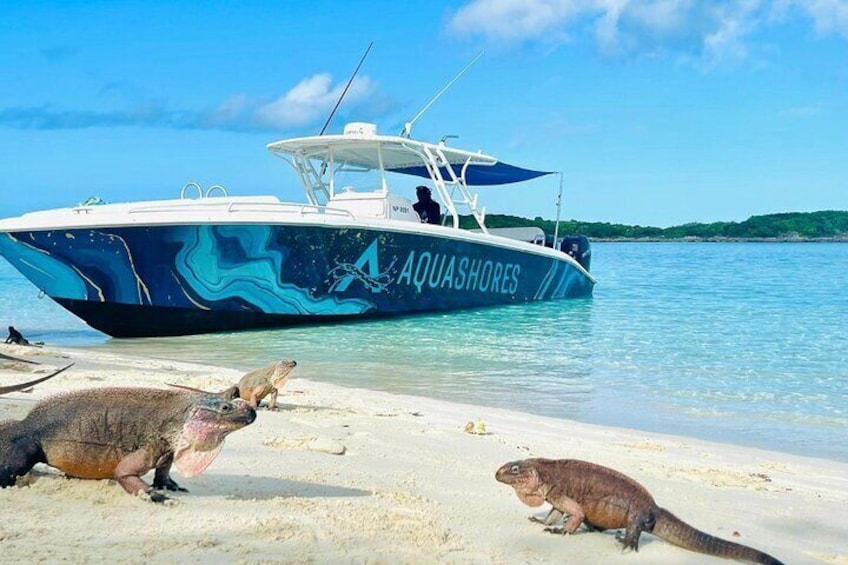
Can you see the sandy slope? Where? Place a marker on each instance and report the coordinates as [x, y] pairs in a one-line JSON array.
[[410, 486]]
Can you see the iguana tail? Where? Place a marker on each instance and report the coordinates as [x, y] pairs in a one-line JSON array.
[[22, 386], [674, 530]]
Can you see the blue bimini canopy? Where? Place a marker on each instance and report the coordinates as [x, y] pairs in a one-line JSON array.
[[481, 175], [405, 156]]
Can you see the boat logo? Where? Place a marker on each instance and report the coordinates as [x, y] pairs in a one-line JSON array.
[[366, 270]]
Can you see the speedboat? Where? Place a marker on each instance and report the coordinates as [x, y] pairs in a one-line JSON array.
[[210, 262]]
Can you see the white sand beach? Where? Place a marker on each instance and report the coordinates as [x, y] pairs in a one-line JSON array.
[[411, 486]]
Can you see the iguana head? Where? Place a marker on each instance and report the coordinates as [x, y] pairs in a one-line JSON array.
[[210, 418], [524, 478], [281, 372]]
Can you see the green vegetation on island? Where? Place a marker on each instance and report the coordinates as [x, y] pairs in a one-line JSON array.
[[824, 225]]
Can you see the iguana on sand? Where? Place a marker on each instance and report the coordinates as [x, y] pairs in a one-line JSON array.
[[22, 386], [604, 499], [122, 433], [259, 383]]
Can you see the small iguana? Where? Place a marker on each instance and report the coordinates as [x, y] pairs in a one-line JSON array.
[[22, 386], [259, 383], [16, 337], [123, 433], [604, 499]]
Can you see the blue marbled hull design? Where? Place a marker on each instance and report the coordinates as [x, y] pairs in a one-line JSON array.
[[244, 263], [198, 278]]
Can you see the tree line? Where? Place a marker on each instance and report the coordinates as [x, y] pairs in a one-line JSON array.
[[828, 224]]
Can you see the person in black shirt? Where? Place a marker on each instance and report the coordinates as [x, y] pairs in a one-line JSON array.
[[428, 209]]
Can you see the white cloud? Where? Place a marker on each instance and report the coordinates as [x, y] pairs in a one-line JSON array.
[[309, 100], [230, 110], [726, 38], [606, 28], [830, 16], [515, 19], [306, 104], [714, 29]]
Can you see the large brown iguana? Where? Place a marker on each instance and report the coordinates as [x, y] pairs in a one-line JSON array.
[[604, 499], [259, 383], [122, 433], [22, 386]]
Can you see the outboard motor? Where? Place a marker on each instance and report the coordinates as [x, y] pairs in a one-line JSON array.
[[578, 247]]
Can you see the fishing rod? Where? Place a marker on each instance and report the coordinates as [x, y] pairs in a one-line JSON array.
[[347, 86], [407, 128]]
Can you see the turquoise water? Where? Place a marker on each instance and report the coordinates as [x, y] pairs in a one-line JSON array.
[[745, 343]]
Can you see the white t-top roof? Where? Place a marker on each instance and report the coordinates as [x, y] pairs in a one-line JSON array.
[[362, 147]]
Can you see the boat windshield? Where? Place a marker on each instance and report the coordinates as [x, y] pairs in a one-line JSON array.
[[349, 178]]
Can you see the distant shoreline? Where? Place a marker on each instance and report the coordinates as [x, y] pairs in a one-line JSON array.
[[825, 225], [843, 239]]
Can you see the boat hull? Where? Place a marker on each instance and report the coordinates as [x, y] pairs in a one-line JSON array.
[[164, 280]]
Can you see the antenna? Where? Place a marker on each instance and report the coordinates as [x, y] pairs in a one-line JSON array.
[[407, 128], [559, 208], [339, 101]]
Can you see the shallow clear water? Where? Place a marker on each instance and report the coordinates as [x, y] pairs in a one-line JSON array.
[[739, 342]]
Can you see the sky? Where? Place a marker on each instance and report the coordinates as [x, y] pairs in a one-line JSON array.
[[657, 112]]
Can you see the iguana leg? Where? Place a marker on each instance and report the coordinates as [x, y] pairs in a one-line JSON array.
[[254, 402], [272, 404], [128, 474], [575, 513], [553, 516], [20, 457], [162, 479], [637, 522]]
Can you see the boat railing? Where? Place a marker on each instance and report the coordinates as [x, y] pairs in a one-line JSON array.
[[300, 209], [448, 182], [232, 207], [192, 184]]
